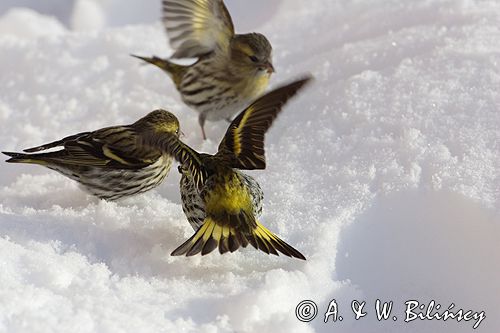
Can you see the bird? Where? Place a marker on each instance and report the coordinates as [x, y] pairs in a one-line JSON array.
[[108, 162], [231, 70], [222, 203]]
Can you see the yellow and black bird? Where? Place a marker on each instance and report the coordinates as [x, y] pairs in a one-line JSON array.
[[221, 203], [231, 69], [108, 162]]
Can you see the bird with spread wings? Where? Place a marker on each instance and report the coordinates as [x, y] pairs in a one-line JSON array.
[[231, 69], [222, 203]]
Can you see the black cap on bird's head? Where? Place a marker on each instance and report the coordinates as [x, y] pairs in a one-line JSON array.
[[253, 50]]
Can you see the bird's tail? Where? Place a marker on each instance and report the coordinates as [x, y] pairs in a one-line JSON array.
[[212, 235], [24, 158], [174, 70]]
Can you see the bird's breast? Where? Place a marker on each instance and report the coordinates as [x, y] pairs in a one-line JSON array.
[[255, 86]]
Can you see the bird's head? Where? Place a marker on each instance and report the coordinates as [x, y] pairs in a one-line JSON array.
[[159, 122], [252, 53]]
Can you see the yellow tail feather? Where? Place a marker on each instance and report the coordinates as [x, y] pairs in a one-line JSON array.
[[212, 235]]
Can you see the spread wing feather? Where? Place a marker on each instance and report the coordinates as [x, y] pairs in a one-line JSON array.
[[197, 27], [243, 144], [189, 159]]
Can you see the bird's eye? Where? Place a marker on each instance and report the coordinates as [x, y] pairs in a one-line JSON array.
[[254, 59]]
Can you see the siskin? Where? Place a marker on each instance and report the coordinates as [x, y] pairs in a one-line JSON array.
[[221, 203], [108, 162], [231, 69]]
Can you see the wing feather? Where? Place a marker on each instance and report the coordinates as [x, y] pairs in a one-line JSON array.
[[112, 147], [243, 144], [189, 159], [57, 143], [197, 27]]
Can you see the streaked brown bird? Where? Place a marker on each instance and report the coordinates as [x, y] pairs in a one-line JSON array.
[[221, 203], [109, 163], [231, 70]]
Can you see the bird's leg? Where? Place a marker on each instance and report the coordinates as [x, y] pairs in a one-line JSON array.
[[201, 120]]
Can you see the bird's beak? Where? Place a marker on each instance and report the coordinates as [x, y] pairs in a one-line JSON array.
[[269, 67]]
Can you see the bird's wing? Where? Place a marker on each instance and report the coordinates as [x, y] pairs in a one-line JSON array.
[[53, 144], [243, 144], [185, 155], [112, 147], [197, 27]]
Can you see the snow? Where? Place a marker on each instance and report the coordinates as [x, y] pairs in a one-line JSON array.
[[385, 173]]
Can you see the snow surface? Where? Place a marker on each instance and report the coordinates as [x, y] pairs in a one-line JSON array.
[[385, 173]]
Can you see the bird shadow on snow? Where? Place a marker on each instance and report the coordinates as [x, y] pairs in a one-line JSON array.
[[424, 245]]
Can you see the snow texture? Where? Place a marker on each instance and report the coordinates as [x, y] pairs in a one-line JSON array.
[[385, 172]]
